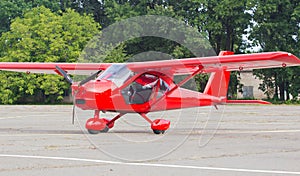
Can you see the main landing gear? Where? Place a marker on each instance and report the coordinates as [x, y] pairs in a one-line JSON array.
[[97, 125], [159, 126]]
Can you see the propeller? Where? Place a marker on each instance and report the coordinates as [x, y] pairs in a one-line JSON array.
[[69, 80], [93, 76], [64, 74], [73, 113]]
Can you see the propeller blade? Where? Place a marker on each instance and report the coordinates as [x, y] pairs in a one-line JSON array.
[[64, 74], [73, 113], [69, 80], [74, 108], [216, 107], [93, 76]]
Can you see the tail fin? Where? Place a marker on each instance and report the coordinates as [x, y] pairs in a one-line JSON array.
[[218, 82]]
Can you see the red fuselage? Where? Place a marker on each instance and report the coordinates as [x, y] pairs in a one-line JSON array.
[[104, 95]]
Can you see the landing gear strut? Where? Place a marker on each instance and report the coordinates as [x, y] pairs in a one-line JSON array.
[[159, 126], [97, 125]]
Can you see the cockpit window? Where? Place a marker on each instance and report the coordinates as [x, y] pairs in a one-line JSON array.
[[117, 73], [145, 88]]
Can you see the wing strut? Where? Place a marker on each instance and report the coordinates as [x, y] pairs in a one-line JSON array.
[[200, 67]]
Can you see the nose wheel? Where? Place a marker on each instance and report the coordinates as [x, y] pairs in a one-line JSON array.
[[105, 130], [100, 125], [95, 126]]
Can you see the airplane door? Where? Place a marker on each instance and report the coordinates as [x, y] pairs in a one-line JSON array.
[[143, 89]]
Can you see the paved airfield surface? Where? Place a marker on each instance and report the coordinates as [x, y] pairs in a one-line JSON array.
[[235, 140]]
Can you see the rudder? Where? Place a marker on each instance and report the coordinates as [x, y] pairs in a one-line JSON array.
[[218, 82]]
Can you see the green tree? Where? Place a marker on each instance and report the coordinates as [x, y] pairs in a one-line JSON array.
[[277, 29], [11, 9], [92, 7], [225, 22], [42, 36], [120, 10]]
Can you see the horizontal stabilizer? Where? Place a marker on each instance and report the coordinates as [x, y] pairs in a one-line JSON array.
[[247, 102]]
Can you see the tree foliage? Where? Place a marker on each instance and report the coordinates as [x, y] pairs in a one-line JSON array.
[[10, 9], [224, 23], [43, 36], [49, 31], [276, 28]]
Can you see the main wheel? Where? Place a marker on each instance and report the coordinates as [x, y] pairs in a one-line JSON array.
[[95, 126], [93, 131], [158, 131], [159, 126]]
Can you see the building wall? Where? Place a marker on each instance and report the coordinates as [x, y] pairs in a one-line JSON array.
[[250, 88]]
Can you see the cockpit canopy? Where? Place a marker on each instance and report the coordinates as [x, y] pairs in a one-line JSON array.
[[117, 73], [144, 88]]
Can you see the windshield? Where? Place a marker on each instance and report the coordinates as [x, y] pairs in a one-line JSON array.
[[117, 73]]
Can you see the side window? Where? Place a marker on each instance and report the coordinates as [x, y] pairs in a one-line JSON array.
[[163, 88], [144, 88]]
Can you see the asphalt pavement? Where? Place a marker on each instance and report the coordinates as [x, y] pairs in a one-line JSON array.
[[233, 140]]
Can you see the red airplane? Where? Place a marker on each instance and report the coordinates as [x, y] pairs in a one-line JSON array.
[[143, 87]]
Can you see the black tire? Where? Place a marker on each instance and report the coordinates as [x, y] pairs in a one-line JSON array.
[[158, 131], [93, 131], [105, 130]]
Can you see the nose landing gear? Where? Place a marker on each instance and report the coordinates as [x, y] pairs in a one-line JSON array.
[[97, 125]]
